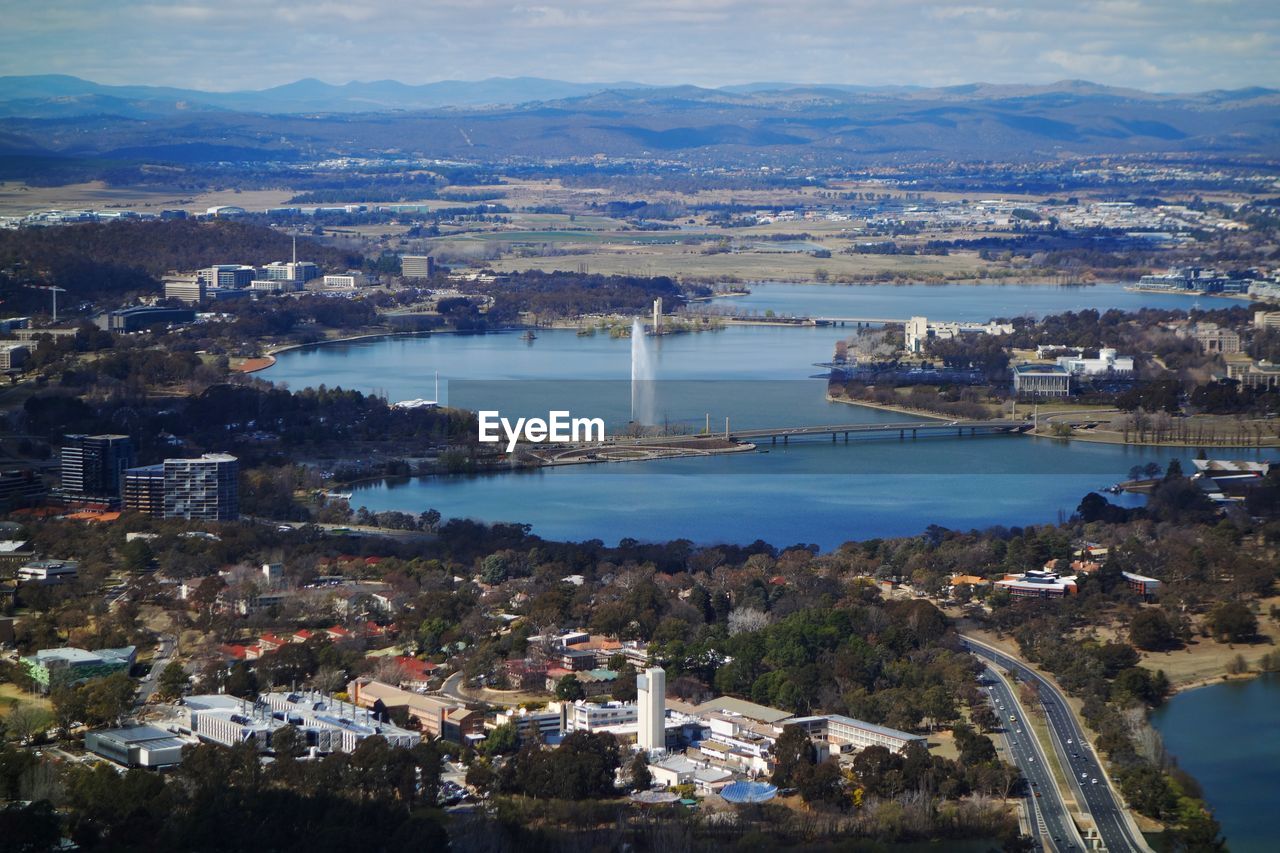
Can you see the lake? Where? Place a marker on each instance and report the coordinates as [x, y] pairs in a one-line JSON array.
[[758, 376], [1239, 766]]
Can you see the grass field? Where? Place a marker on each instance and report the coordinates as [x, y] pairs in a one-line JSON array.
[[11, 695], [689, 262], [18, 198]]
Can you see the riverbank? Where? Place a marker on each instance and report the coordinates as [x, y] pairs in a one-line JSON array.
[[1110, 437], [1205, 661], [272, 352], [900, 410]]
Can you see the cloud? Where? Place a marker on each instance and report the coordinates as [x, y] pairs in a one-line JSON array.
[[229, 44]]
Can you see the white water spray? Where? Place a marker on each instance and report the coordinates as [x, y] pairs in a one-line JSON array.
[[643, 409]]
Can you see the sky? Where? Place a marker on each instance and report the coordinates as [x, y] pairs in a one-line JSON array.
[[222, 45]]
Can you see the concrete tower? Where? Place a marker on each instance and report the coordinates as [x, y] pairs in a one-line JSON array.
[[651, 701]]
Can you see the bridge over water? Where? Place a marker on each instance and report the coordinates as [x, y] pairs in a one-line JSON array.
[[902, 430]]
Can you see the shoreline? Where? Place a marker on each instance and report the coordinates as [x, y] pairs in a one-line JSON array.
[[884, 407], [1270, 444]]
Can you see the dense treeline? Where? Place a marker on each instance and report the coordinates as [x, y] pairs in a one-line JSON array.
[[552, 295]]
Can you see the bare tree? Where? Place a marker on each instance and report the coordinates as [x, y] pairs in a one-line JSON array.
[[746, 620]]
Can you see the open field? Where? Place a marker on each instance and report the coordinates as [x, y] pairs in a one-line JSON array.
[[1205, 661], [18, 198], [10, 695], [689, 262]]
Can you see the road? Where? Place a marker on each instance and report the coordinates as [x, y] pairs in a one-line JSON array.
[[1050, 819], [1091, 784], [163, 655]]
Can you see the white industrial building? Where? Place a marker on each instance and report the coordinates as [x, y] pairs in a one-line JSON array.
[[1108, 363], [136, 746], [326, 724], [845, 734]]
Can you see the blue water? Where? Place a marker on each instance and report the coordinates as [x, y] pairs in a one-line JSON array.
[[757, 376], [1228, 737], [953, 302]]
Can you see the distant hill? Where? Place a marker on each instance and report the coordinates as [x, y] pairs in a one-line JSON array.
[[55, 116], [56, 95]]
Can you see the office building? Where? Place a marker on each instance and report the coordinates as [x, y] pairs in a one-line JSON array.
[[50, 668], [417, 266], [651, 702], [1108, 363], [326, 724], [231, 276], [142, 317], [49, 572], [349, 280], [93, 467], [1041, 380], [438, 717], [192, 291], [136, 746], [1262, 375], [299, 272], [13, 356], [1038, 583], [20, 487], [144, 490], [845, 734], [919, 331], [205, 488]]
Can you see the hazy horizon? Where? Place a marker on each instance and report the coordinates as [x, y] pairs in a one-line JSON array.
[[234, 45]]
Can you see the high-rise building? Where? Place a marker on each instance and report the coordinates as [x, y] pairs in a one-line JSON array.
[[205, 488], [227, 275], [651, 699], [93, 466], [21, 487], [417, 266], [144, 490], [189, 290]]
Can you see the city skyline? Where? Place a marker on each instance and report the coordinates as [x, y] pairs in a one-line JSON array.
[[1185, 46]]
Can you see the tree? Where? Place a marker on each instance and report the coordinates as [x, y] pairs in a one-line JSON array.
[[26, 720], [569, 689], [822, 783], [985, 718], [793, 754], [1233, 621], [1150, 629], [137, 556], [503, 740], [287, 742], [172, 682], [641, 778]]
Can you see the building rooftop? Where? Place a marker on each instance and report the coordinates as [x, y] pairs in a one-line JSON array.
[[742, 707]]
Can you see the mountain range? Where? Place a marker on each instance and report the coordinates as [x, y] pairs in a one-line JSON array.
[[489, 120]]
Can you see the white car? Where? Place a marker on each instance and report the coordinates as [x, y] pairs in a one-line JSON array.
[[1069, 740], [1084, 775], [1095, 781]]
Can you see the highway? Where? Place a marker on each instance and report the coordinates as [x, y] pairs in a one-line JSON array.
[[1093, 788], [1050, 820]]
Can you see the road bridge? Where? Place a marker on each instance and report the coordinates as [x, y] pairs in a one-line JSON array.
[[901, 430]]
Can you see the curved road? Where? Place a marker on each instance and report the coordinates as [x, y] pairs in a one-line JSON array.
[[1093, 788], [1049, 817]]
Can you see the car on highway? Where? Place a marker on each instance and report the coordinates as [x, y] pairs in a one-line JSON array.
[[1095, 781]]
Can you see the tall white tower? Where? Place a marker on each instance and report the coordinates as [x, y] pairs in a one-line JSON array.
[[651, 702], [657, 316]]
